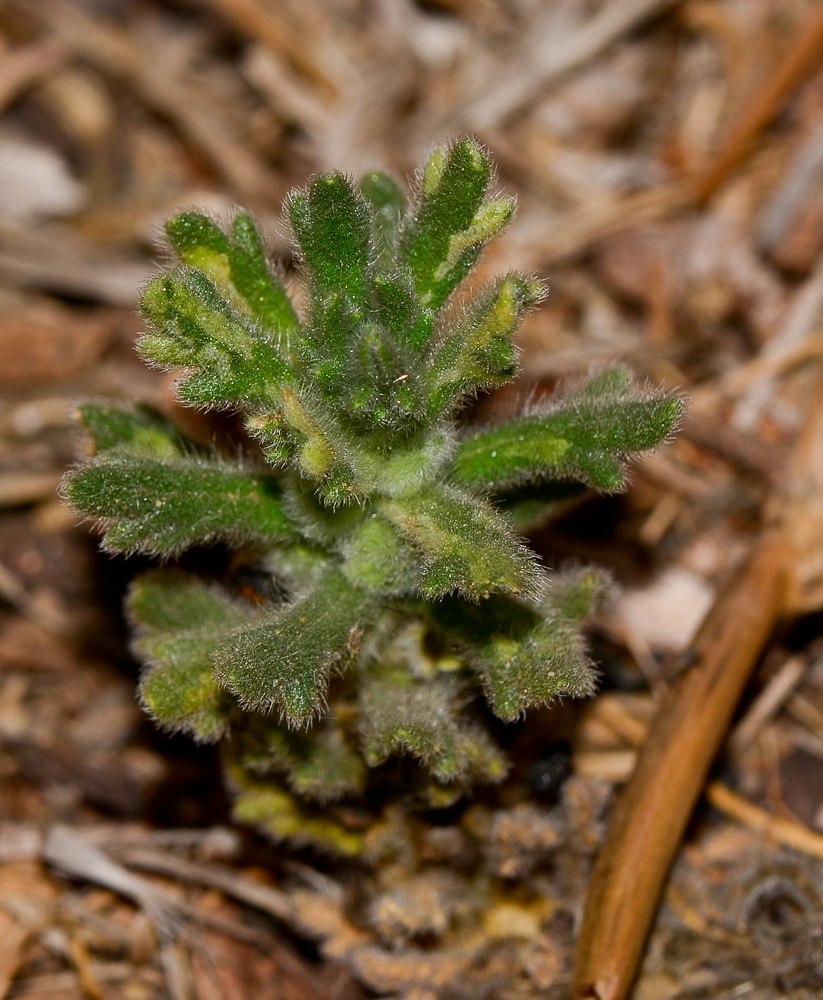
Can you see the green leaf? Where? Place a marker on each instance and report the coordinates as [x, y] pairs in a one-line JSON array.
[[388, 204], [375, 557], [464, 545], [576, 594], [307, 435], [236, 264], [316, 454], [165, 602], [332, 224], [380, 391], [319, 764], [163, 506], [452, 222], [261, 291], [402, 716], [265, 803], [527, 655], [397, 312], [545, 661], [297, 565], [531, 506], [477, 352], [140, 430], [194, 329], [283, 663], [589, 437], [179, 620]]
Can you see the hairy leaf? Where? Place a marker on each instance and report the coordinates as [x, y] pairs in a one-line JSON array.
[[477, 352], [265, 803], [283, 663], [464, 545], [528, 655], [332, 224], [319, 764], [178, 621], [397, 312], [140, 430], [588, 437], [237, 265], [195, 330], [375, 557], [381, 393], [388, 204], [452, 222], [399, 716], [163, 506]]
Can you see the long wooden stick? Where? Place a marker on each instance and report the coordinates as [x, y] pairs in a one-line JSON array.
[[652, 812]]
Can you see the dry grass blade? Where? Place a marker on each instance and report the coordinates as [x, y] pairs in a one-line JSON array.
[[253, 18], [227, 880], [54, 259], [25, 67], [783, 831], [116, 54], [773, 696], [582, 227], [74, 856]]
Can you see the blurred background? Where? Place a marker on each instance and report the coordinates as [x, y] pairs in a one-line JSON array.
[[667, 156]]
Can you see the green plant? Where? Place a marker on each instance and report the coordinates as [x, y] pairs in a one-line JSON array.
[[397, 585]]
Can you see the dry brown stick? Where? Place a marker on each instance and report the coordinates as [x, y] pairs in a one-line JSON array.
[[53, 258], [801, 59], [781, 575], [617, 765], [746, 452], [652, 813], [580, 227], [583, 226], [227, 880]]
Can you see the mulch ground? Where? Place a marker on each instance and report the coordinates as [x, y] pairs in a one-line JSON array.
[[668, 161]]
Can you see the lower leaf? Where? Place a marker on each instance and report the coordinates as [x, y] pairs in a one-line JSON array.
[[464, 545], [270, 807], [528, 654], [179, 622], [283, 663]]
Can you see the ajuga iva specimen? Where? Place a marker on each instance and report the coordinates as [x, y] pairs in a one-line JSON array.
[[397, 586]]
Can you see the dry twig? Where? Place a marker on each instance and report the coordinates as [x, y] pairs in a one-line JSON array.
[[652, 812]]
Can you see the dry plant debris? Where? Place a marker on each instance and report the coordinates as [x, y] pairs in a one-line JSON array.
[[669, 166]]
